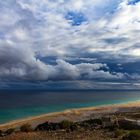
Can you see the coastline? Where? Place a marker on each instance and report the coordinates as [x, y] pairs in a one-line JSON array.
[[71, 114]]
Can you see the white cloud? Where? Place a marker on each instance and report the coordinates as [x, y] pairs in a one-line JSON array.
[[126, 15], [30, 27], [21, 63], [7, 19]]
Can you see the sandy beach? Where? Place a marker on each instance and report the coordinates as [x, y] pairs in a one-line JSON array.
[[72, 114]]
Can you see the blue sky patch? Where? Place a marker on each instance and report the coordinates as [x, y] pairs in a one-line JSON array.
[[133, 2], [75, 18]]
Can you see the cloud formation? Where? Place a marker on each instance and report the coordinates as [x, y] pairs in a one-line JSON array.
[[69, 40]]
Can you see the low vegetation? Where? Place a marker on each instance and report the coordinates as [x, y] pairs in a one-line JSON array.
[[26, 128], [10, 131], [132, 135], [101, 128]]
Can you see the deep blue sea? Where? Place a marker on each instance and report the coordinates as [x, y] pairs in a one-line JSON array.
[[20, 104]]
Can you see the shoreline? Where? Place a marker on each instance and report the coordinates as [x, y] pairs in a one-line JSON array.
[[71, 114]]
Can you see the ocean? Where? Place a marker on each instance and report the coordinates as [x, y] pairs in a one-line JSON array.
[[19, 104]]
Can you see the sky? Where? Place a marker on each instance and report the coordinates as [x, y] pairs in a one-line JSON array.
[[70, 44]]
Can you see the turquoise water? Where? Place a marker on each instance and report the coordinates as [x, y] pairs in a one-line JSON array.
[[21, 104]]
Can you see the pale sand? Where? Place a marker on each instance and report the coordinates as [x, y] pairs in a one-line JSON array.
[[70, 114]]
